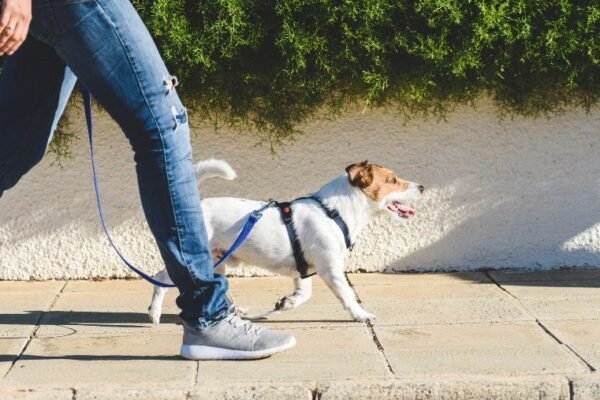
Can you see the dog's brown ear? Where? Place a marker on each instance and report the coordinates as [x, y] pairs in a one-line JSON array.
[[360, 175]]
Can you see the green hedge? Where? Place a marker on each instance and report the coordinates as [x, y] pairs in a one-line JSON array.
[[269, 65]]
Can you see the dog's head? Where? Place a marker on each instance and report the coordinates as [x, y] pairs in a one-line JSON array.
[[389, 193]]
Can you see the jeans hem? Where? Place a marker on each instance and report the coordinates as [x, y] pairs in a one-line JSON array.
[[207, 322]]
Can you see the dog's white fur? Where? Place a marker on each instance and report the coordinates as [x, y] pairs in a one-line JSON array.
[[268, 245]]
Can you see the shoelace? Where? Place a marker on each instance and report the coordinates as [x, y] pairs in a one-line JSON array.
[[235, 319]]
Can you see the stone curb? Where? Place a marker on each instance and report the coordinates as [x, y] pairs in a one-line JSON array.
[[463, 387], [586, 387]]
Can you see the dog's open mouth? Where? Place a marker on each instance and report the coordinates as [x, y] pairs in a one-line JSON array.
[[402, 210]]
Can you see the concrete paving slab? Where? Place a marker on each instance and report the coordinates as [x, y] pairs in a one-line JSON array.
[[554, 276], [22, 304], [564, 289], [458, 387], [109, 312], [109, 285], [506, 348], [582, 336], [440, 299], [560, 299], [105, 349], [22, 287], [321, 353], [385, 293], [432, 311], [118, 360], [418, 279], [18, 324], [555, 307], [9, 350], [29, 394]]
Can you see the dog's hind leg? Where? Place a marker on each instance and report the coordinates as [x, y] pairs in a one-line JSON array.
[[302, 292], [158, 296], [336, 280]]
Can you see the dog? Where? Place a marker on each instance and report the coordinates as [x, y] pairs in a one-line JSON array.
[[364, 192]]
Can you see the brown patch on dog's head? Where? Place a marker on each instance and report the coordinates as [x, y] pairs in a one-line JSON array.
[[375, 181], [360, 174]]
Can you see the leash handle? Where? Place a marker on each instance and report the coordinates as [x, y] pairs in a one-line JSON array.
[[243, 235]]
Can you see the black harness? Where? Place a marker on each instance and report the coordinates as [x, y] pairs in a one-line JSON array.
[[285, 209]]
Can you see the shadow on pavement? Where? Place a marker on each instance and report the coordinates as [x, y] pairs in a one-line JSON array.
[[91, 318], [86, 357]]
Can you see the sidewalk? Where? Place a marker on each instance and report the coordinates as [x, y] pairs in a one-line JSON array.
[[437, 336]]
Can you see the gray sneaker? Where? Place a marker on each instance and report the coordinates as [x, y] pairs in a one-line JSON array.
[[232, 338]]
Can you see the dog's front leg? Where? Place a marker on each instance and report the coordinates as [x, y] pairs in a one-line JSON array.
[[158, 296], [336, 280], [302, 292]]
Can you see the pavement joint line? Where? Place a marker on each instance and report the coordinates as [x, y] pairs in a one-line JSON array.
[[542, 326], [37, 326], [571, 349], [372, 331], [197, 374], [316, 394], [571, 389]]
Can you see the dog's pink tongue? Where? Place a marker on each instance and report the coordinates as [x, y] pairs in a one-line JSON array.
[[406, 209]]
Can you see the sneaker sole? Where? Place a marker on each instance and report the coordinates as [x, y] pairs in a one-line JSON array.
[[192, 352]]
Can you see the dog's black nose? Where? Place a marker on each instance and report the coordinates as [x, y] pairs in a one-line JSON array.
[[421, 188]]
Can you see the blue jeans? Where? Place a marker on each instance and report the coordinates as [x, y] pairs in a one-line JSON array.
[[105, 45]]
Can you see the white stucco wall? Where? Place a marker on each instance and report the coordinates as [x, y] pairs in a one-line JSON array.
[[517, 193]]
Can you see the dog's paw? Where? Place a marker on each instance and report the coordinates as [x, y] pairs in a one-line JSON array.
[[362, 315], [154, 315], [242, 310], [286, 303]]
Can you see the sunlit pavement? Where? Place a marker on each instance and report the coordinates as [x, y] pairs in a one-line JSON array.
[[476, 335]]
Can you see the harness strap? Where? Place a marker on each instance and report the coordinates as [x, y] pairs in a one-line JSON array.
[[337, 218], [244, 233], [285, 209]]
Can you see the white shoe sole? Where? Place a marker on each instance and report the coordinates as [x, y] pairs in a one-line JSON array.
[[192, 352]]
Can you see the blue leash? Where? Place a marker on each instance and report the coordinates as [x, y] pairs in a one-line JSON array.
[[252, 219]]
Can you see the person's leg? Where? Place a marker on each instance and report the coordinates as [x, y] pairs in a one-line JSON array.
[[35, 85], [109, 49], [106, 44]]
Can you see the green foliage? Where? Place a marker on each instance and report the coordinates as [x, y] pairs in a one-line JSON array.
[[269, 65], [60, 145]]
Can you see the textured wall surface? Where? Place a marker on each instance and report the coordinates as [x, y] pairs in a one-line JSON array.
[[516, 193]]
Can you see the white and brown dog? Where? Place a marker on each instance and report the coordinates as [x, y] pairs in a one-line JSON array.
[[364, 192]]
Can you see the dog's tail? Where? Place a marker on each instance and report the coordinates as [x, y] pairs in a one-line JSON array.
[[213, 168]]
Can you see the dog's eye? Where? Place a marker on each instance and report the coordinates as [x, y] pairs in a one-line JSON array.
[[393, 180]]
